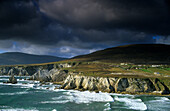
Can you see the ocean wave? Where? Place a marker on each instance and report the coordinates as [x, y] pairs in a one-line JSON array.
[[55, 102], [131, 103], [125, 95], [22, 80], [16, 76], [81, 97], [107, 105], [4, 106], [4, 79], [160, 99], [50, 87], [4, 76], [59, 90], [19, 84], [88, 97], [16, 93], [18, 109]]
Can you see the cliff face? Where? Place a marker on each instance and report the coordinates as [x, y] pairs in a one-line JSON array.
[[18, 70], [70, 80], [46, 73], [53, 75], [127, 85]]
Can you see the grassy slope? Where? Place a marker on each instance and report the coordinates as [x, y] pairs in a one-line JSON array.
[[116, 70], [11, 58], [141, 53]]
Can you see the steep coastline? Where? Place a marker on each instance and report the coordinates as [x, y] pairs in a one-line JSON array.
[[58, 74], [115, 85], [43, 73]]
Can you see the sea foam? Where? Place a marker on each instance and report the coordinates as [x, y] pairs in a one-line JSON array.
[[107, 105], [16, 93], [19, 84], [81, 97], [4, 79], [160, 99], [135, 104], [18, 109]]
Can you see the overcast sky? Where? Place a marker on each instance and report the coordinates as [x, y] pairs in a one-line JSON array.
[[67, 28]]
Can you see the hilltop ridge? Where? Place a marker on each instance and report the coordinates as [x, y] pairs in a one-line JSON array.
[[13, 58], [137, 53]]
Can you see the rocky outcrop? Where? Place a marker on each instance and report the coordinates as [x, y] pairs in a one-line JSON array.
[[12, 80], [4, 70], [44, 73], [53, 75], [19, 71], [29, 70], [127, 85]]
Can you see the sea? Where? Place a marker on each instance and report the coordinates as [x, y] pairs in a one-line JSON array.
[[33, 96]]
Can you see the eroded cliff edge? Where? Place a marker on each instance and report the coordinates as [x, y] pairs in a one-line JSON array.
[[43, 73], [115, 85], [69, 79]]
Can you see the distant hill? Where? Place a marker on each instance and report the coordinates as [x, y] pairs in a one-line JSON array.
[[139, 53], [12, 58]]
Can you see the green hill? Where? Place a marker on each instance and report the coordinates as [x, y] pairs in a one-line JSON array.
[[12, 58], [138, 53]]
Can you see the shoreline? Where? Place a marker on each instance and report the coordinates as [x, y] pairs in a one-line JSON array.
[[133, 86], [66, 75], [123, 93]]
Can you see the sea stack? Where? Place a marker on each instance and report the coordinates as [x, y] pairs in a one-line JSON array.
[[12, 80]]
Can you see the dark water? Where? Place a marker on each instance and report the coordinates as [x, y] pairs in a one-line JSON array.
[[30, 96]]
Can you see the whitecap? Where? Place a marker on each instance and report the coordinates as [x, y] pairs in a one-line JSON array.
[[59, 90], [126, 95], [4, 76], [160, 99], [18, 109], [81, 97], [20, 80], [19, 84], [4, 106], [4, 79], [88, 97], [28, 85], [46, 87], [55, 102], [107, 105], [135, 104], [16, 93]]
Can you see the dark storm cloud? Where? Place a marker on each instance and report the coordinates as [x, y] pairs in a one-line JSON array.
[[84, 23], [151, 16]]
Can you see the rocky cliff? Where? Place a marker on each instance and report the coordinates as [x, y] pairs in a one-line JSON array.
[[126, 85], [46, 73], [69, 80]]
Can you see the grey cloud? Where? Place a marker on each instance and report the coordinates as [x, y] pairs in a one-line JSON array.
[[81, 26], [142, 15]]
